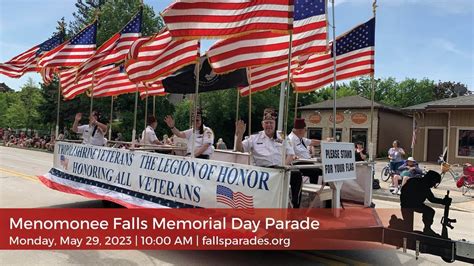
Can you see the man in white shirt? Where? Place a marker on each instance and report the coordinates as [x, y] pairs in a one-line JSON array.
[[266, 149], [301, 146], [94, 132], [203, 136], [148, 134]]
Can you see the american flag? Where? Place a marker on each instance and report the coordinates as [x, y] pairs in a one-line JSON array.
[[160, 56], [71, 87], [236, 200], [153, 89], [116, 48], [27, 61], [225, 18], [115, 82], [266, 47], [73, 52], [265, 77], [355, 52], [47, 74]]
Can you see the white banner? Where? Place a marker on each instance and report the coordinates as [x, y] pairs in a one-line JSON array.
[[167, 180], [338, 159]]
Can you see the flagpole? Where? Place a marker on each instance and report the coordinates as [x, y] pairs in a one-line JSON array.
[[146, 105], [237, 116], [134, 131], [287, 96], [281, 106], [296, 106], [154, 104], [250, 102], [196, 97], [57, 111], [111, 113], [334, 70], [372, 98], [92, 93]]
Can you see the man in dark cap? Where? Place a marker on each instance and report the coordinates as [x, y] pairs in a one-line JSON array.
[[414, 193], [266, 149], [301, 147]]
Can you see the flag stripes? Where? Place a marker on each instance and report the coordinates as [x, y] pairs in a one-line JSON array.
[[71, 88], [160, 56], [225, 18], [265, 77], [319, 69], [263, 48]]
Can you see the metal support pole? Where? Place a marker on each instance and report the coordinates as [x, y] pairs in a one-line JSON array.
[[154, 105], [237, 116], [57, 112], [111, 113], [281, 106], [286, 99], [250, 103], [146, 106], [296, 106], [334, 69], [134, 131], [196, 97]]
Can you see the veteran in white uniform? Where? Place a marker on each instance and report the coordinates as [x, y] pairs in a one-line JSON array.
[[301, 147], [149, 135], [266, 149], [203, 136], [94, 132]]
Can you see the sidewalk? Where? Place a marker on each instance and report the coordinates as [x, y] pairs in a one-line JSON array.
[[460, 202]]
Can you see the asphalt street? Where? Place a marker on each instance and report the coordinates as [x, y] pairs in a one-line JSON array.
[[19, 188]]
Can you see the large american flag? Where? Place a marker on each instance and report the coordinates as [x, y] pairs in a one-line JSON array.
[[160, 56], [73, 52], [71, 87], [27, 61], [264, 77], [225, 18], [115, 82], [266, 47], [116, 48], [355, 52], [236, 200]]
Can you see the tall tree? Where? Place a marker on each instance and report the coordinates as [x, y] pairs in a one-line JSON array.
[[449, 89]]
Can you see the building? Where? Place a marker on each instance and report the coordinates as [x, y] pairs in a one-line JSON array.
[[353, 122], [446, 123]]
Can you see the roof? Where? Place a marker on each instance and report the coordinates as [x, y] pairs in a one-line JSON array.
[[466, 101], [354, 102]]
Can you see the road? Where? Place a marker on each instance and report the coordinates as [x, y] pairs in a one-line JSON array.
[[19, 188]]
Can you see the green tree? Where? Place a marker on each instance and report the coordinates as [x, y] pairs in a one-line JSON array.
[[30, 95], [15, 115], [449, 89]]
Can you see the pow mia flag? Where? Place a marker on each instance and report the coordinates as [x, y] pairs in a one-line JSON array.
[[183, 81]]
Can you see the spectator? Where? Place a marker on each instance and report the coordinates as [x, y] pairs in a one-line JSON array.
[[407, 170], [221, 145], [395, 154], [360, 153]]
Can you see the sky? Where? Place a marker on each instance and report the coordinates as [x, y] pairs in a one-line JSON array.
[[414, 38]]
